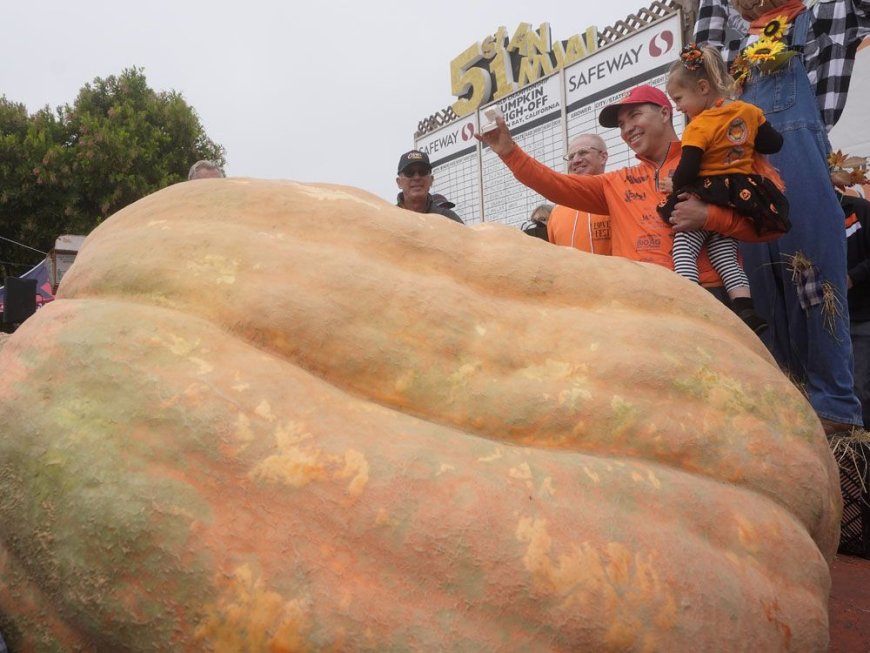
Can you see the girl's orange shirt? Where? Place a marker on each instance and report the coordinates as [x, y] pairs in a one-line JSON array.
[[726, 134]]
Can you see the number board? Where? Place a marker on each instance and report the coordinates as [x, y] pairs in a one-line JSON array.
[[453, 152], [543, 118]]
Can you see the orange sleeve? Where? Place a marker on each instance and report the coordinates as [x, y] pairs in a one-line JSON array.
[[585, 193], [695, 135]]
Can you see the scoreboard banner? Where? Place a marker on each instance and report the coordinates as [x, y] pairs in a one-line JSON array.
[[543, 118], [535, 117], [453, 152]]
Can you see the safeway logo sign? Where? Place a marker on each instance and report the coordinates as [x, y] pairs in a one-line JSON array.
[[448, 141], [661, 43]]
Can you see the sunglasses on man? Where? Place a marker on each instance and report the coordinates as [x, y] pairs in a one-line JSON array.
[[415, 171]]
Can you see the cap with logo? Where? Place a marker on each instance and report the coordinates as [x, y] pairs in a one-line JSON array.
[[412, 157], [643, 94]]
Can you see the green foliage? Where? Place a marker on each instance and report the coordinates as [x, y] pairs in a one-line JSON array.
[[64, 172]]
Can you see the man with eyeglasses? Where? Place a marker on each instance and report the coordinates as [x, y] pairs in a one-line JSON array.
[[414, 180], [583, 230]]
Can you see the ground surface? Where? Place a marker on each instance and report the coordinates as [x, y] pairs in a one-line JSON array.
[[850, 605]]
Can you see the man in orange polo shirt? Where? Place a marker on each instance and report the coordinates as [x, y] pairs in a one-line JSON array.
[[588, 232], [630, 195]]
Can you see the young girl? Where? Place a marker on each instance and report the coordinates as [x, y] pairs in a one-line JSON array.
[[719, 145]]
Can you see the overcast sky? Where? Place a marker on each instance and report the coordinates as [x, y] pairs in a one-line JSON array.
[[300, 89]]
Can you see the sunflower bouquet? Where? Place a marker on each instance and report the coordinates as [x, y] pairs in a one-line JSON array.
[[768, 54]]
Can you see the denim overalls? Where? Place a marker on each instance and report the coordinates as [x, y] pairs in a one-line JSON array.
[[811, 343]]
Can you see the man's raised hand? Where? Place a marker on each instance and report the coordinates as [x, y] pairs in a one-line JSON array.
[[498, 138]]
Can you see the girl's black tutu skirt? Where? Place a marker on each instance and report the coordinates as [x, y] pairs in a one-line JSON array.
[[753, 196]]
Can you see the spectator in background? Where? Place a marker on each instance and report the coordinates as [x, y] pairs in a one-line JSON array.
[[414, 181], [536, 225], [857, 211], [205, 169], [583, 230]]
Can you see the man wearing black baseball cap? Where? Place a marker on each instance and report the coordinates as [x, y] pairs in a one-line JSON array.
[[630, 195], [414, 181]]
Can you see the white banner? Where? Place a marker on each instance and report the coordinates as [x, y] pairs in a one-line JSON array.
[[543, 118]]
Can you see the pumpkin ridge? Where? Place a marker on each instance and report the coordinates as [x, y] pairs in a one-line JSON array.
[[601, 445], [380, 379], [270, 502]]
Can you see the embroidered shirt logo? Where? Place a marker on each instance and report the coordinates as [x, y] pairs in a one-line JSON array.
[[648, 242]]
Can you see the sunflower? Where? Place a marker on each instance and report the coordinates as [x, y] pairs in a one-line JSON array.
[[763, 50], [739, 71], [775, 29]]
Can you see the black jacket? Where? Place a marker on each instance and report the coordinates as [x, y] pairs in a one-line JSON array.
[[432, 207], [857, 212], [535, 229]]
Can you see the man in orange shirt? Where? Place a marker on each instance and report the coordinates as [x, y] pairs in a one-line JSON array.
[[630, 195], [588, 232]]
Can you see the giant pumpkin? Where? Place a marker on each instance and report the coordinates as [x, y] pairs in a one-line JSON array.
[[267, 416]]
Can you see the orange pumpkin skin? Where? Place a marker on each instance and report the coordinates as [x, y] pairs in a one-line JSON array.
[[284, 417]]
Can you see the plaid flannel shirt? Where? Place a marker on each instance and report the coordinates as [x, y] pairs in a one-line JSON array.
[[838, 26]]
